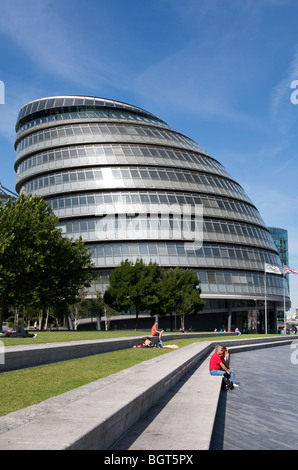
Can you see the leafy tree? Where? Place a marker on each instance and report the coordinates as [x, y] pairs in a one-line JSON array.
[[38, 266], [109, 313], [94, 308], [134, 285], [70, 271], [180, 292], [23, 224], [98, 308]]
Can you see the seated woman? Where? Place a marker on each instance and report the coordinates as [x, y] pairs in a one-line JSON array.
[[147, 343]]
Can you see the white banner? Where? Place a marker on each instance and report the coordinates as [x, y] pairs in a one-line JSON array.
[[272, 269]]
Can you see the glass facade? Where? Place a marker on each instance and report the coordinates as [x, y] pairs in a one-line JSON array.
[[133, 187], [6, 194], [280, 238]]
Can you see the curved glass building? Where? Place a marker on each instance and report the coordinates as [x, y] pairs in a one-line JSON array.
[[133, 187]]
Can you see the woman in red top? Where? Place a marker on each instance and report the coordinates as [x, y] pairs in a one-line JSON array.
[[217, 365]]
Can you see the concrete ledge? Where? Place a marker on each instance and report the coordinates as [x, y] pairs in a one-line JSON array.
[[103, 415], [95, 416], [20, 357], [182, 420]]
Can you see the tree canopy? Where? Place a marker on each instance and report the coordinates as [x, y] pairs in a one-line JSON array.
[[151, 288], [134, 285], [181, 293], [38, 266]]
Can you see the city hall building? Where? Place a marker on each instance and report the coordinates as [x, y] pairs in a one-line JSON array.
[[132, 187]]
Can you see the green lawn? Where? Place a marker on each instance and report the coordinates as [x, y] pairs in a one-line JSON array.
[[66, 335], [26, 387], [22, 388]]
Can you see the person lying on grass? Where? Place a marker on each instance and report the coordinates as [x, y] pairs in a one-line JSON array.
[[18, 333], [147, 343]]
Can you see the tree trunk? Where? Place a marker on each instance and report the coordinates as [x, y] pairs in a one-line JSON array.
[[46, 320], [16, 318], [43, 318], [40, 320], [1, 316], [171, 321], [137, 319]]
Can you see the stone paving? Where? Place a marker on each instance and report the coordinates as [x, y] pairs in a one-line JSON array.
[[262, 413]]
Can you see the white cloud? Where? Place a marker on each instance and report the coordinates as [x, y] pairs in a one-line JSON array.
[[52, 43]]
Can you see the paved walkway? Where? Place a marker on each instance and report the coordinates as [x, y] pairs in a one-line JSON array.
[[169, 425], [262, 413]]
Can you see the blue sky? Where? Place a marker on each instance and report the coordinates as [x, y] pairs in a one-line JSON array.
[[219, 71]]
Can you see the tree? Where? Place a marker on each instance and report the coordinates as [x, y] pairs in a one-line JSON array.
[[97, 308], [134, 285], [23, 224], [94, 308], [38, 266], [69, 272], [180, 292], [109, 313], [78, 310]]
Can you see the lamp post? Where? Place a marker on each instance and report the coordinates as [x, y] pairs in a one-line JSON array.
[[256, 318]]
